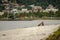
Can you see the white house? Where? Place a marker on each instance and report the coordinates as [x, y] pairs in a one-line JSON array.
[[1, 13], [22, 6], [50, 8], [37, 8], [31, 5], [24, 10], [30, 11], [14, 11]]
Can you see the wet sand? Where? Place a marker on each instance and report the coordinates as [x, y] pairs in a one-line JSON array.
[[32, 33]]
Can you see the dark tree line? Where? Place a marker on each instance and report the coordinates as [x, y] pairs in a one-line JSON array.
[[43, 3]]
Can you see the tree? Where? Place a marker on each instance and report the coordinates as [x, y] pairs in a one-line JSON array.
[[51, 14], [1, 7], [39, 14], [43, 3], [58, 4], [11, 16], [5, 15], [16, 15], [57, 14], [45, 14]]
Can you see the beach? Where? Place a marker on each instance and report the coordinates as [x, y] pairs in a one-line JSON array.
[[31, 33]]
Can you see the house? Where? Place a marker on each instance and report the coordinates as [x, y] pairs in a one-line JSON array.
[[6, 11], [22, 6], [1, 13], [14, 11], [7, 6], [31, 5], [37, 8], [24, 10], [30, 11], [50, 8]]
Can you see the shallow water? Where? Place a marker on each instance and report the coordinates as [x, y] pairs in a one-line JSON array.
[[7, 25]]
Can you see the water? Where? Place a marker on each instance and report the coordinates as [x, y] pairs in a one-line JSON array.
[[7, 25]]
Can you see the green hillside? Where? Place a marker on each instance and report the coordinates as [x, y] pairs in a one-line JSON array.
[[43, 3]]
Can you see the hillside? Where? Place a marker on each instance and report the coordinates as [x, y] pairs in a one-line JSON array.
[[43, 3]]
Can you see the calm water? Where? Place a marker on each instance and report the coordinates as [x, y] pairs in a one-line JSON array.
[[6, 25]]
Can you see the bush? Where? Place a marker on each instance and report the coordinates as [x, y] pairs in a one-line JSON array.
[[55, 36], [57, 14]]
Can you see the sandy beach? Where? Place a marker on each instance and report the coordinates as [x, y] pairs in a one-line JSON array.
[[31, 33]]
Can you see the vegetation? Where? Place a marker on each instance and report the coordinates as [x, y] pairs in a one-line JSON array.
[[55, 36], [5, 15], [33, 15], [57, 14], [43, 3]]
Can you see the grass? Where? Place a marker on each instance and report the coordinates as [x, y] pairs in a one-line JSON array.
[[55, 35]]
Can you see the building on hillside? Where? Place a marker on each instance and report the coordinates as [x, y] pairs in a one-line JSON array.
[[14, 11], [37, 8], [50, 8], [1, 13], [22, 6], [16, 5], [24, 10], [31, 5], [30, 11], [7, 8], [7, 11]]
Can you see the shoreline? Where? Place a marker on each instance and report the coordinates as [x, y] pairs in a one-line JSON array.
[[7, 25]]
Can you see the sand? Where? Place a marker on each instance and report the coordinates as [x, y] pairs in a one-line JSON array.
[[31, 33]]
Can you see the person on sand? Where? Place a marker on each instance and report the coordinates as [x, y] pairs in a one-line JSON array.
[[41, 24]]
